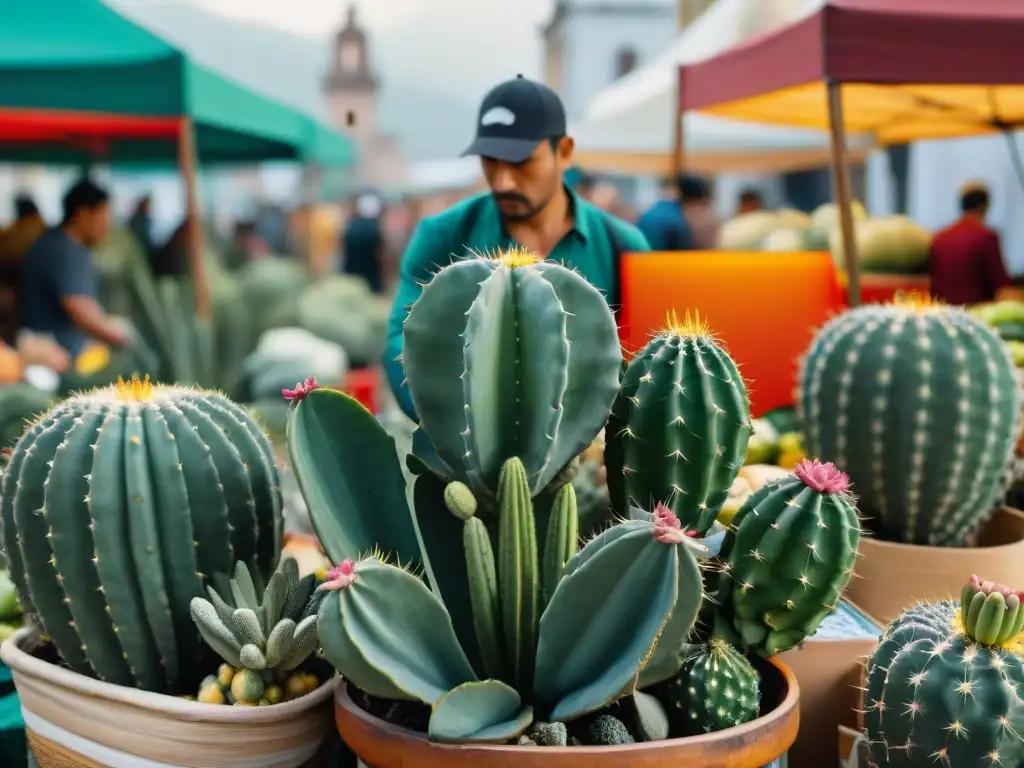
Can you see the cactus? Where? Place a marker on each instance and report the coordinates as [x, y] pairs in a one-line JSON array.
[[510, 356], [259, 629], [788, 555], [717, 688], [944, 684], [919, 404], [518, 582], [562, 540], [116, 505], [679, 427]]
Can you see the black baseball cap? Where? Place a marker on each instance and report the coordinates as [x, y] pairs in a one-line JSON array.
[[514, 118]]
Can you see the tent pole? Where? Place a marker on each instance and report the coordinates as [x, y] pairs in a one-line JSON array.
[[193, 216], [678, 135], [841, 189]]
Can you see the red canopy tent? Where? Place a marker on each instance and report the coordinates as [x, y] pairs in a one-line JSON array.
[[900, 69]]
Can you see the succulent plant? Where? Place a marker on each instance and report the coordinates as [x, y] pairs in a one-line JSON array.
[[944, 685], [787, 557], [679, 427], [117, 505], [509, 356], [919, 404], [255, 628], [716, 688]]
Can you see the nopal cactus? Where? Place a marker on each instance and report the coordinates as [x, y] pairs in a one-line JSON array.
[[117, 505], [919, 403], [679, 427], [944, 685], [509, 356]]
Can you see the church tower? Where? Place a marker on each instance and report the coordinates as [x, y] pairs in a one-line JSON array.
[[351, 86]]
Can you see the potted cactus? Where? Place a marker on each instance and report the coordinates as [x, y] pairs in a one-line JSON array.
[[920, 404], [121, 509], [944, 684], [470, 623]]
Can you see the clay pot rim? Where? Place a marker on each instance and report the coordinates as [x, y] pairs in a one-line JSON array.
[[873, 541], [13, 654], [778, 718]]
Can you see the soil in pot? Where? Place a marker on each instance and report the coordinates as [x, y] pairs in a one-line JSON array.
[[383, 744]]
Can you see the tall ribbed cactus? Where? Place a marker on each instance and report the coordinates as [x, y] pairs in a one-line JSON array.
[[116, 506], [787, 558], [509, 356], [679, 428], [919, 404], [944, 684]]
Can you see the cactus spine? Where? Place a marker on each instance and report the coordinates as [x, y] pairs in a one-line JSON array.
[[517, 570], [679, 427], [788, 556], [919, 404], [116, 505], [939, 692]]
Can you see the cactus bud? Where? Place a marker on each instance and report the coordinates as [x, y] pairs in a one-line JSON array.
[[991, 613], [339, 577], [460, 500]]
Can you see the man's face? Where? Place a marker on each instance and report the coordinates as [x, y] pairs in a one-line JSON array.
[[523, 189], [95, 224]]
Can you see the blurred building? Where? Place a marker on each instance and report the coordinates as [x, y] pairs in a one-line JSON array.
[[351, 87], [591, 43]]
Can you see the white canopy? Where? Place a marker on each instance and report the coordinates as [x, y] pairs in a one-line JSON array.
[[628, 126]]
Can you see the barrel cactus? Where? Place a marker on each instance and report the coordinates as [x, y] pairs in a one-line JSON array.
[[679, 427], [944, 684], [787, 557], [919, 403], [509, 356], [117, 505]]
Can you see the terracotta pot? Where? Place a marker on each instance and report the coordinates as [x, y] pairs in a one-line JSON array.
[[73, 720], [891, 577], [753, 745]]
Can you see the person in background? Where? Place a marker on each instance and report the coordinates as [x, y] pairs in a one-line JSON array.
[[524, 152], [58, 284], [750, 200], [140, 223], [582, 182], [363, 242], [699, 211], [663, 224], [965, 258], [27, 227], [605, 195]]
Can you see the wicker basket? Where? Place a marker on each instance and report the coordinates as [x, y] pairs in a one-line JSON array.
[[73, 720]]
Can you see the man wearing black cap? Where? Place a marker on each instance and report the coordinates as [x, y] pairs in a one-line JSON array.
[[524, 152]]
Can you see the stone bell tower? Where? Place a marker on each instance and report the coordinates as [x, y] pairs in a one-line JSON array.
[[350, 86]]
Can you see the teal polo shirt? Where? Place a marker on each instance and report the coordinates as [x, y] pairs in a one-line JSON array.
[[475, 225]]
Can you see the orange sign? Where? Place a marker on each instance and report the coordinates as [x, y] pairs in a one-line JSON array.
[[765, 307]]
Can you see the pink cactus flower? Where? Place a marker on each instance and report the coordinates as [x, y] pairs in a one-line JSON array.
[[823, 478], [667, 527], [302, 389], [339, 577], [990, 587]]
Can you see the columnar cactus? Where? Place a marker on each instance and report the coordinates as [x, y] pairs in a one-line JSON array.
[[787, 556], [919, 404], [509, 356], [117, 505], [944, 685], [679, 427]]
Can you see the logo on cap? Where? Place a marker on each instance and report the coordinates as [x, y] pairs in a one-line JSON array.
[[498, 116]]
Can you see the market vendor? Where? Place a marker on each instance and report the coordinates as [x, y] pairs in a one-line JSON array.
[[58, 284], [524, 152], [965, 260]]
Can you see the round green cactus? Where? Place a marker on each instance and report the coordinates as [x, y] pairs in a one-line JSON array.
[[939, 693], [716, 688], [787, 557], [679, 427], [509, 356], [116, 505], [919, 403]]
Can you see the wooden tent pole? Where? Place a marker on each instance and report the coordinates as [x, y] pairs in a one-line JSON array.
[[195, 232], [678, 134], [842, 192]]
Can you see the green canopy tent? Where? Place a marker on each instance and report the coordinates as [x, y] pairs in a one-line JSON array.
[[79, 83]]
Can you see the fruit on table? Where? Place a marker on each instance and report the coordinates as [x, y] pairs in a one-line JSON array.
[[889, 244], [791, 450], [764, 443]]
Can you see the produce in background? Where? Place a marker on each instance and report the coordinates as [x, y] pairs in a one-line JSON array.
[[943, 685], [282, 355], [195, 478], [891, 244], [343, 309], [825, 220], [920, 404], [786, 240], [748, 231], [272, 286], [495, 590]]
